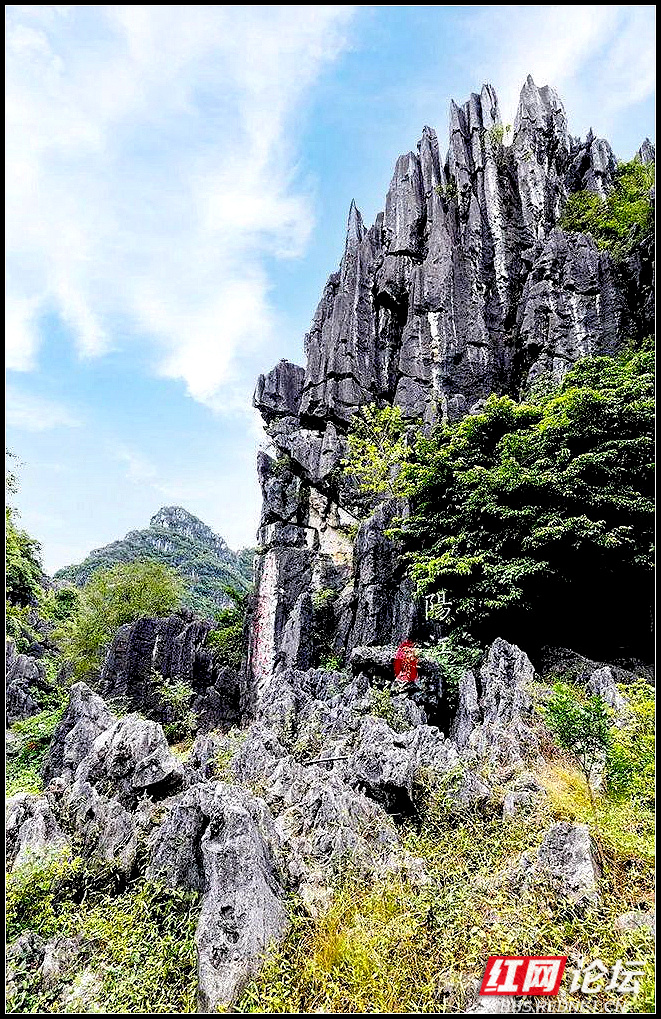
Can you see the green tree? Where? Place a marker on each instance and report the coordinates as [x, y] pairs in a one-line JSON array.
[[111, 598], [377, 449], [23, 569], [226, 639], [583, 729], [527, 514]]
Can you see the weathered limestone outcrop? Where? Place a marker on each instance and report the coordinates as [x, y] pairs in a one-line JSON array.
[[85, 718], [32, 830], [221, 842], [465, 285], [151, 657], [25, 681]]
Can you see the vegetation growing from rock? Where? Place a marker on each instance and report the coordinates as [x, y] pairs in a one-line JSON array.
[[525, 512], [132, 949], [617, 221], [227, 637], [394, 947]]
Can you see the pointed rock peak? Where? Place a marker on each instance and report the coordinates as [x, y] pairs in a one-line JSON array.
[[542, 113], [489, 101], [646, 153], [355, 225]]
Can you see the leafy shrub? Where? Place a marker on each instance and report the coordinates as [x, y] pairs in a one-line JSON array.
[[111, 598], [630, 760], [584, 729], [455, 654], [383, 706], [227, 645], [32, 895], [377, 449]]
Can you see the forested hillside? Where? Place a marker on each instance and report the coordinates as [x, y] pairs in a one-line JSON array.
[[177, 539]]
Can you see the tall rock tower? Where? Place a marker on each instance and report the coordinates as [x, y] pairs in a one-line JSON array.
[[463, 286]]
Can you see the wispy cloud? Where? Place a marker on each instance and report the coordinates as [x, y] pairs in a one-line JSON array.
[[150, 173], [601, 58], [32, 413], [137, 467]]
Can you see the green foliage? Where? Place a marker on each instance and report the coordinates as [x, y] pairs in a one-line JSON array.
[[111, 598], [447, 191], [177, 696], [23, 569], [138, 944], [455, 654], [618, 220], [528, 511], [227, 645], [383, 706], [584, 729], [23, 563], [18, 626], [630, 760], [377, 449], [333, 663], [59, 605], [227, 638], [496, 134], [32, 738]]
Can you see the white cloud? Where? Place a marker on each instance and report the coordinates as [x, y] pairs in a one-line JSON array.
[[32, 413], [150, 171], [600, 58]]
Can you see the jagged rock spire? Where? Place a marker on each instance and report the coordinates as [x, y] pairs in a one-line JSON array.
[[464, 286], [646, 152]]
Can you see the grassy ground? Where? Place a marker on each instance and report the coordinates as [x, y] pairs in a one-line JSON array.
[[395, 948], [135, 944]]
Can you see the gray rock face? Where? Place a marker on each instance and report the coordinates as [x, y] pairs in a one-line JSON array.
[[109, 804], [602, 683], [151, 657], [462, 287], [523, 794], [636, 919], [646, 153], [25, 680], [132, 758], [566, 859], [32, 830], [85, 718], [496, 724], [221, 841]]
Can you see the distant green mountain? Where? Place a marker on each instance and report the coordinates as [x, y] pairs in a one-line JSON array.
[[180, 540]]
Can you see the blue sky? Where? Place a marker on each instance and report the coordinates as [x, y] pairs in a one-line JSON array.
[[178, 181]]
